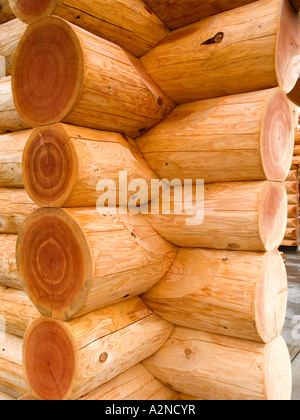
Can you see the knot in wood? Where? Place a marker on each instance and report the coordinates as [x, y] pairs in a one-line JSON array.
[[103, 357]]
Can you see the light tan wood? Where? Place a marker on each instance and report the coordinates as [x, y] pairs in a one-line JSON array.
[[290, 243], [2, 66], [237, 216], [12, 378], [15, 206], [250, 48], [206, 140], [6, 397], [6, 13], [74, 261], [16, 311], [8, 267], [136, 384], [10, 36], [128, 23], [178, 13], [63, 164], [90, 350], [238, 294], [100, 85], [215, 367], [9, 117], [28, 397], [11, 152]]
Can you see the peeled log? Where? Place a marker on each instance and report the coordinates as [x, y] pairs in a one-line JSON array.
[[74, 261], [8, 266], [90, 350], [235, 138], [215, 367], [136, 384], [62, 73], [6, 397], [10, 36], [178, 13], [6, 13], [238, 294], [63, 164], [237, 216], [12, 378], [2, 67], [16, 311], [15, 206], [11, 152], [9, 117], [250, 48], [130, 24]]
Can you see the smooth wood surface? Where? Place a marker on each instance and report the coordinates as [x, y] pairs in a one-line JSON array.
[[128, 23], [215, 367], [63, 165], [250, 48], [6, 397], [238, 294], [8, 266], [90, 350], [9, 117], [178, 13], [100, 85], [74, 261], [238, 216], [206, 139], [10, 36], [2, 66], [6, 14], [136, 384], [11, 152]]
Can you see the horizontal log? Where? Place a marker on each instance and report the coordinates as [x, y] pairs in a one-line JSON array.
[[6, 13], [12, 378], [11, 152], [15, 206], [290, 243], [8, 266], [215, 367], [237, 294], [206, 140], [16, 311], [6, 397], [250, 48], [297, 150], [10, 120], [236, 216], [99, 85], [297, 138], [296, 160], [130, 24], [136, 384], [77, 159], [178, 13], [90, 350], [10, 36], [74, 261]]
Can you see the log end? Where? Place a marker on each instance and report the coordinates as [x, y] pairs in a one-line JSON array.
[[49, 359], [47, 72], [54, 263], [50, 166], [277, 137], [29, 11]]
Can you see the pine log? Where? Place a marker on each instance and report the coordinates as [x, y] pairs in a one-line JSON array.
[[8, 266], [62, 73], [238, 294], [11, 152], [90, 350], [2, 67], [15, 206], [134, 384], [290, 243], [12, 378], [235, 138], [216, 367], [296, 160], [297, 150], [6, 397], [178, 13], [74, 261], [10, 36], [9, 117], [240, 216], [6, 14], [16, 311], [297, 138], [250, 48], [128, 23], [63, 164]]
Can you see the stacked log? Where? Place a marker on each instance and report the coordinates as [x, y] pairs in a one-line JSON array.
[[10, 36], [6, 13]]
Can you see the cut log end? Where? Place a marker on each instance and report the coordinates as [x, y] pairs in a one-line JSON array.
[[49, 359], [50, 167], [59, 274], [31, 10], [47, 72], [272, 215], [277, 137]]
